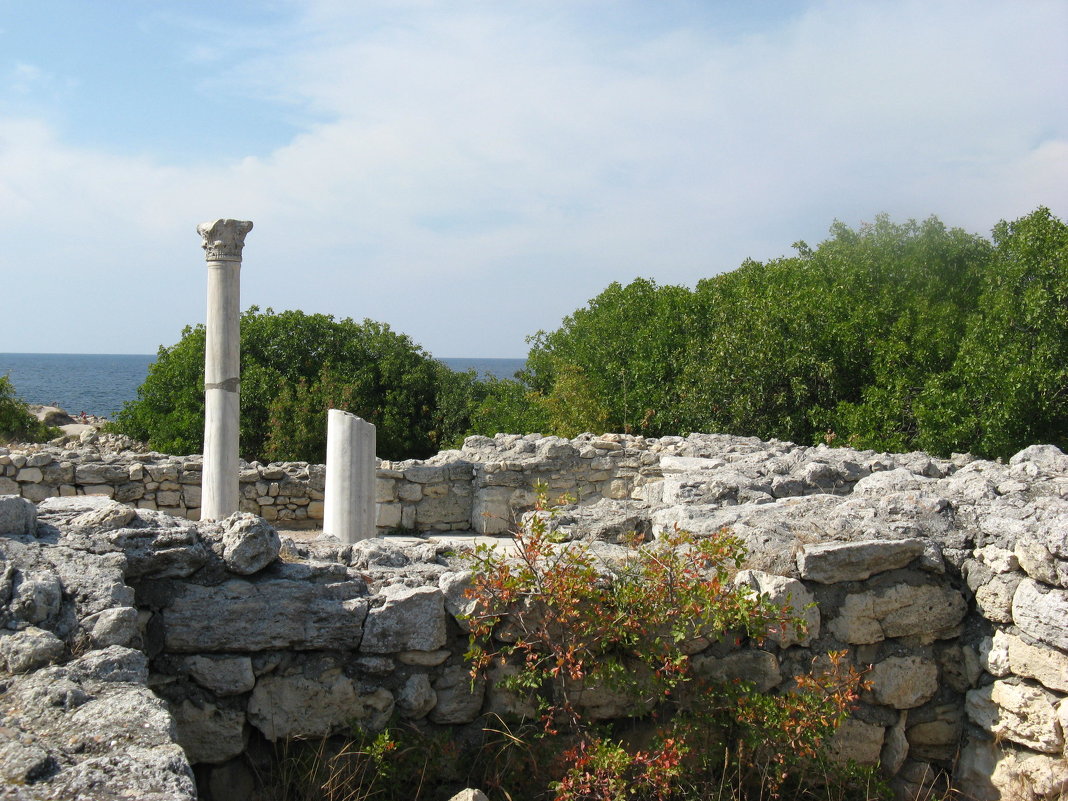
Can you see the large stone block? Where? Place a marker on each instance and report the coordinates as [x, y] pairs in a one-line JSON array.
[[315, 706], [209, 734], [18, 516], [903, 682], [242, 616], [928, 611], [1042, 612], [833, 562], [411, 619], [1023, 713]]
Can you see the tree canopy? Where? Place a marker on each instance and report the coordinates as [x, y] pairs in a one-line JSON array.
[[893, 336], [294, 366]]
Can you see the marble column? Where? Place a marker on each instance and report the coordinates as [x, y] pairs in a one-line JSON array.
[[223, 241], [349, 496]]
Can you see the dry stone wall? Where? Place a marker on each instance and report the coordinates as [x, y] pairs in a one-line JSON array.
[[949, 578]]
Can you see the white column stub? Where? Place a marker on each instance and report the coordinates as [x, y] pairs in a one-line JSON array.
[[223, 242], [349, 495]]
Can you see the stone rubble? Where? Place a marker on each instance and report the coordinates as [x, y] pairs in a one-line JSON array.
[[136, 645]]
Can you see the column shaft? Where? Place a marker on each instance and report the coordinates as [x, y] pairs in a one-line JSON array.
[[349, 497]]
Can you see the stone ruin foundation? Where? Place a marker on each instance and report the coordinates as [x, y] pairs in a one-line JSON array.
[[144, 654]]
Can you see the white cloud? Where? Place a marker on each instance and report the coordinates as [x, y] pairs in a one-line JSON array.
[[489, 167]]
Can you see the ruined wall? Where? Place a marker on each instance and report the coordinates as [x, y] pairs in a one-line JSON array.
[[948, 577]]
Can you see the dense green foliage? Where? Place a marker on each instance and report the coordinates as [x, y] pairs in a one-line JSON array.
[[891, 336], [294, 366], [16, 422]]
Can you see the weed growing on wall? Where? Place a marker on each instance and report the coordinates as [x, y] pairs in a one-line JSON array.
[[575, 637]]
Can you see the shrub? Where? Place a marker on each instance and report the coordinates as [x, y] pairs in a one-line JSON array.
[[16, 422], [559, 624]]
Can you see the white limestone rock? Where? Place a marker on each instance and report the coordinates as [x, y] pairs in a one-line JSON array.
[[858, 741], [1042, 612], [18, 516], [208, 733], [27, 650], [790, 593], [416, 697], [240, 616], [223, 675], [1023, 713], [249, 543], [36, 595], [411, 619], [833, 562], [927, 611], [903, 682], [459, 700]]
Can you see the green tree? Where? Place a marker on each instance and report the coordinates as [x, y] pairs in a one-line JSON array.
[[614, 365], [1008, 387], [16, 422], [836, 342], [293, 366]]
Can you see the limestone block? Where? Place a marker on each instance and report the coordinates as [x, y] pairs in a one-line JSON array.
[[29, 475], [408, 517], [1040, 562], [8, 486], [783, 591], [410, 492], [833, 562], [98, 473], [1000, 560], [903, 682], [316, 509], [454, 587], [29, 649], [854, 739], [416, 697], [388, 515], [240, 616], [988, 771], [895, 746], [38, 492], [223, 675], [925, 610], [491, 512], [994, 598], [752, 665], [130, 491], [459, 700], [385, 490], [411, 619], [191, 494], [169, 498], [1048, 666], [17, 515], [319, 706], [933, 732], [160, 552], [1042, 612], [249, 543], [209, 734], [116, 626], [448, 509], [37, 596], [1023, 713]]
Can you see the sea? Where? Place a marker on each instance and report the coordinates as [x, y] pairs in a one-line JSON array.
[[100, 383]]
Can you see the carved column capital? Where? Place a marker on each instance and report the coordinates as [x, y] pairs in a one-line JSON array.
[[223, 239]]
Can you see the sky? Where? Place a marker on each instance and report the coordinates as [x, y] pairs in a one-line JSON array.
[[472, 171]]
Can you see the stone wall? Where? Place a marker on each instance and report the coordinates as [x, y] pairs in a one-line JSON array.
[[949, 578]]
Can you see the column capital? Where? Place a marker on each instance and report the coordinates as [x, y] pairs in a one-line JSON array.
[[223, 239]]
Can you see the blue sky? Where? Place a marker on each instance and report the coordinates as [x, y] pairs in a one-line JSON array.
[[470, 172]]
